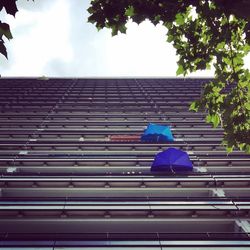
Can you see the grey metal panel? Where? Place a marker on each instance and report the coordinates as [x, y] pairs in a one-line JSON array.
[[43, 119], [116, 225]]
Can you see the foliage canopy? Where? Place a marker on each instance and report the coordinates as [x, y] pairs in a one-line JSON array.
[[204, 33]]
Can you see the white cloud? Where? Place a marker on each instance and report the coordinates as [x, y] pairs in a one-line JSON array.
[[143, 51], [53, 38], [38, 38]]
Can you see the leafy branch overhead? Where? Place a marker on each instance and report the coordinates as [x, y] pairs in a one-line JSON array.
[[204, 33], [10, 8]]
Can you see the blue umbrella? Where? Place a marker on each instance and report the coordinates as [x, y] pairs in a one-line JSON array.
[[173, 160], [157, 133]]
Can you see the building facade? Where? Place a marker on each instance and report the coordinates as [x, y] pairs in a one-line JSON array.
[[75, 175]]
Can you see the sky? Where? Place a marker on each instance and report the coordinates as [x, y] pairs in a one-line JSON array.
[[54, 39]]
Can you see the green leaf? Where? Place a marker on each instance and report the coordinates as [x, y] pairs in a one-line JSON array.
[[99, 27], [248, 106], [194, 106], [221, 45], [5, 30], [179, 19], [122, 29], [215, 120], [242, 146], [246, 48], [130, 11], [247, 149], [157, 19], [220, 98], [90, 10], [180, 70], [229, 149], [114, 31], [90, 20], [168, 25], [208, 118], [227, 60], [3, 50], [170, 38], [237, 60]]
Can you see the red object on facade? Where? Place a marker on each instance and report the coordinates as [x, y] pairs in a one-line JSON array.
[[123, 138]]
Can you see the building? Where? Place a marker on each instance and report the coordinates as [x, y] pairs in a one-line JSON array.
[[74, 176]]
